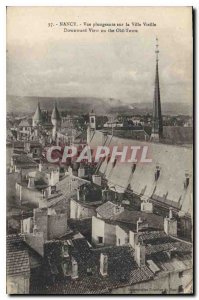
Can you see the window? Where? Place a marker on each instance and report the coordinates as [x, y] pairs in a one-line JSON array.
[[186, 183], [92, 120], [157, 173], [133, 168], [180, 274], [65, 250], [114, 163], [89, 271], [118, 242], [100, 239], [126, 240], [180, 289]]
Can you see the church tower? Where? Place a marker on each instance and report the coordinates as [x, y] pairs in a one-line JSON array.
[[157, 125], [92, 120], [56, 121], [91, 126], [37, 118]]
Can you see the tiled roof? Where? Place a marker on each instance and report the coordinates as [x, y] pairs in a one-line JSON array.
[[132, 216], [178, 134], [153, 237], [122, 268], [25, 123], [17, 258], [18, 262], [167, 246], [20, 257], [62, 191], [24, 160], [106, 210]]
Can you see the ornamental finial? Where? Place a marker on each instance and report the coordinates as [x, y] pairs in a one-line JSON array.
[[157, 49]]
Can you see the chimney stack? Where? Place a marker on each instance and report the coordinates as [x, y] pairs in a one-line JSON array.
[[133, 238], [74, 274], [140, 254], [103, 264], [141, 224], [31, 183], [97, 179], [170, 214], [81, 172], [118, 209], [147, 207], [170, 224]]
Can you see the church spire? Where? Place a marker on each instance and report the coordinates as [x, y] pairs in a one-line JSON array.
[[37, 118], [157, 126], [55, 113]]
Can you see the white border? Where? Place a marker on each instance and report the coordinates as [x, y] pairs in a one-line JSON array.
[[3, 5]]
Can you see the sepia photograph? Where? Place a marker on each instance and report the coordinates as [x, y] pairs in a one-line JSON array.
[[99, 150]]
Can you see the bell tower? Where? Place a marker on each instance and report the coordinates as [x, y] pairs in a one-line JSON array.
[[92, 120]]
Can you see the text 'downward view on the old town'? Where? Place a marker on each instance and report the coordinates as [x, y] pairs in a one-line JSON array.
[[99, 150]]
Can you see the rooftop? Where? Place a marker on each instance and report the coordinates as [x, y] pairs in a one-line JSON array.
[[168, 190]]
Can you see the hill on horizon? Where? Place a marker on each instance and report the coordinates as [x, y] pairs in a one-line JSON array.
[[82, 105]]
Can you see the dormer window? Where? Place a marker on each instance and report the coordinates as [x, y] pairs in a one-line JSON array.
[[133, 168], [114, 163], [157, 173], [186, 182], [65, 250]]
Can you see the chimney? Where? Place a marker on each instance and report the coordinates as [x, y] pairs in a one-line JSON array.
[[140, 254], [186, 182], [35, 230], [51, 190], [81, 172], [54, 177], [147, 207], [105, 195], [31, 183], [78, 193], [74, 273], [141, 224], [139, 221], [103, 264], [133, 238], [170, 214], [118, 209], [170, 224], [65, 250], [97, 179], [157, 173]]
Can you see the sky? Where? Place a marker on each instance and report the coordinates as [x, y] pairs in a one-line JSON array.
[[49, 62]]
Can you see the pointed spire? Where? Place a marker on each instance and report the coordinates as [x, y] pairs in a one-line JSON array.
[[55, 113], [37, 118], [157, 126]]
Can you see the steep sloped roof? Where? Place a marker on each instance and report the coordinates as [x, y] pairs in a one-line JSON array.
[[106, 210], [178, 134], [38, 114], [55, 113], [173, 161]]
